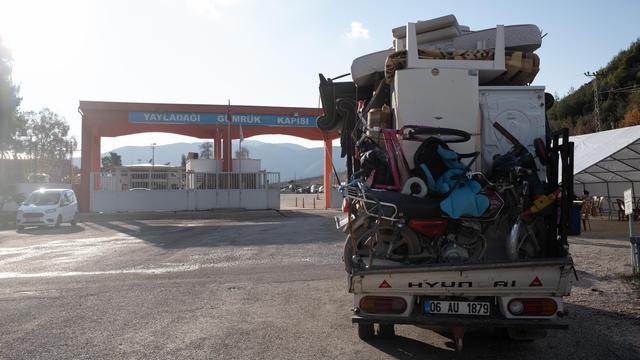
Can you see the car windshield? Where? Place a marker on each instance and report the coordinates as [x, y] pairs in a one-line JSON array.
[[43, 198]]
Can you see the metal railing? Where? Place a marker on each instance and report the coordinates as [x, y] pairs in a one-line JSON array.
[[178, 180]]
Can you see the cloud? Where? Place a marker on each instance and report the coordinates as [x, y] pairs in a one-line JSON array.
[[358, 31], [212, 8]]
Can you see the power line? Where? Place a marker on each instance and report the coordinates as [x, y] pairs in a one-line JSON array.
[[630, 88]]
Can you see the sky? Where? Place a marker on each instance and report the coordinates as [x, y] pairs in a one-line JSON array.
[[254, 52]]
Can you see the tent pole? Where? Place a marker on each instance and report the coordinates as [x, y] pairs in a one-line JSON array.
[[609, 200]]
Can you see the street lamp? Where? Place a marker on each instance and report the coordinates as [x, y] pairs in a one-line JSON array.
[[153, 154]]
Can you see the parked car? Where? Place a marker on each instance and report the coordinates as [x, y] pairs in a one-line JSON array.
[[321, 189], [47, 207], [304, 190]]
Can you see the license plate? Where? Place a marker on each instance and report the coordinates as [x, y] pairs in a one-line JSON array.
[[342, 222], [456, 307]]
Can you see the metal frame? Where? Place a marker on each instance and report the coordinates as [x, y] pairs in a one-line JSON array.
[[466, 322], [354, 193], [497, 64], [619, 173], [561, 157]]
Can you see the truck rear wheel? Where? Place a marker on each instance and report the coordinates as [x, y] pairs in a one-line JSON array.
[[365, 331], [386, 330], [518, 334]]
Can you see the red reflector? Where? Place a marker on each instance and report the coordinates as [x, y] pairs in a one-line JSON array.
[[346, 205], [535, 282], [384, 285], [383, 305]]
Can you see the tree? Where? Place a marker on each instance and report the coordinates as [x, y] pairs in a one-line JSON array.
[[110, 161], [243, 153], [206, 150], [632, 117], [10, 123], [45, 136], [618, 85]]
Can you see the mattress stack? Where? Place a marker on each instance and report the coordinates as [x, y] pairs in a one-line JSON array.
[[446, 36]]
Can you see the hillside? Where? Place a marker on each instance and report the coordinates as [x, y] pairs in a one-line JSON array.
[[290, 160], [619, 97]]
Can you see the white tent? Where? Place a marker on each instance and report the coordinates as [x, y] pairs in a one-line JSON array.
[[607, 163]]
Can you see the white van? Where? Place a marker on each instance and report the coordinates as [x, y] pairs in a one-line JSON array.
[[47, 207]]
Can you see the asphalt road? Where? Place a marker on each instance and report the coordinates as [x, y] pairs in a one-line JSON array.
[[246, 285]]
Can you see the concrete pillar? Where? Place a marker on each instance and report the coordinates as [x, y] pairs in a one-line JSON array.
[[95, 160], [328, 170], [217, 148], [85, 166], [226, 155], [89, 162]]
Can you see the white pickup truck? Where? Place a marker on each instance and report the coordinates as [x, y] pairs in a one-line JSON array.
[[523, 297], [457, 203]]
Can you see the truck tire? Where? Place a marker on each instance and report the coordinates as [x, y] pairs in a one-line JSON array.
[[386, 330], [346, 255], [365, 331], [526, 335]]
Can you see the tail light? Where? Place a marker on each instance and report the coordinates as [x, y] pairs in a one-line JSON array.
[[532, 307], [346, 205], [383, 305]]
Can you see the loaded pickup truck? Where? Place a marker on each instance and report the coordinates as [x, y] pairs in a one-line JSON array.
[[456, 206]]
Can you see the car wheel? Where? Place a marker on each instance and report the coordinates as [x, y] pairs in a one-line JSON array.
[[19, 228], [73, 220], [59, 220], [386, 330], [526, 335], [365, 331]]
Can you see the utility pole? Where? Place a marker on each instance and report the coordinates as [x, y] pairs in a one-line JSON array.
[[596, 102], [153, 154], [230, 162]]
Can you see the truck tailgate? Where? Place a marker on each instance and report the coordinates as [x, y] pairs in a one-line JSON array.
[[549, 277]]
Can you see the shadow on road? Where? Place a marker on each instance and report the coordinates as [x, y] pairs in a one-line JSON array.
[[477, 345], [271, 231], [401, 347], [48, 230], [592, 334]]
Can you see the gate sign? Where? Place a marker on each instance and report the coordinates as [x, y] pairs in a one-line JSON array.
[[139, 117], [628, 202]]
